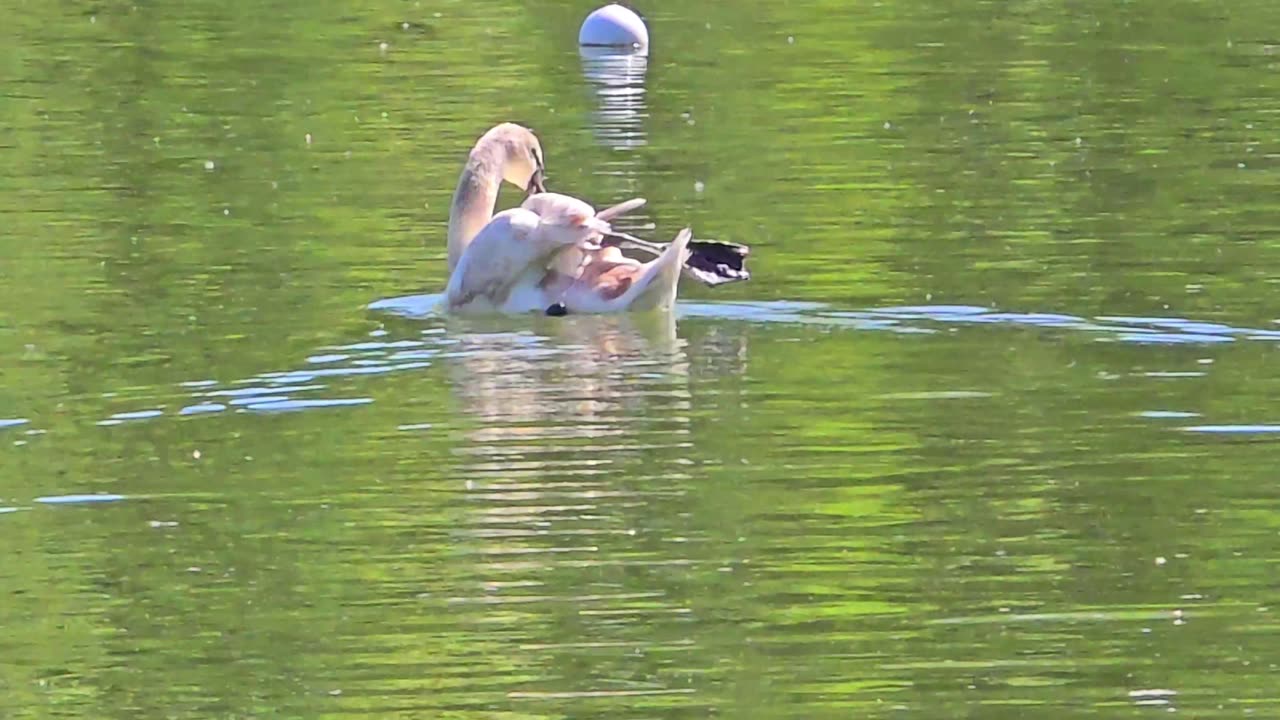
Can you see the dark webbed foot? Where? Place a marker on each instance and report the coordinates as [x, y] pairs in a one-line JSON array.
[[557, 310], [710, 262], [717, 263]]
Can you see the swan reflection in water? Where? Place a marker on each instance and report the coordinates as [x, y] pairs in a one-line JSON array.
[[586, 376], [576, 456], [575, 396]]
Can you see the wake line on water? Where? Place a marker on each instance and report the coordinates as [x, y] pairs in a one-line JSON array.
[[919, 319], [927, 318], [301, 389]]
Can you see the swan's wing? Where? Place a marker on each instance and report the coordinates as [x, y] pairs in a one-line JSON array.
[[494, 260], [622, 208], [546, 203], [549, 204], [710, 262]]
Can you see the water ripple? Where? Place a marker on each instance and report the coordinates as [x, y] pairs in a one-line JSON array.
[[1234, 429], [285, 405], [508, 396], [202, 408], [78, 499]]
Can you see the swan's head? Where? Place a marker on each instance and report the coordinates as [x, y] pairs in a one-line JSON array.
[[520, 153]]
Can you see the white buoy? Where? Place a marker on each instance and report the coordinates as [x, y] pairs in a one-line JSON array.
[[614, 26]]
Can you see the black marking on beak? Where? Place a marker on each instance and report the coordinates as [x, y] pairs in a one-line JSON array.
[[536, 184]]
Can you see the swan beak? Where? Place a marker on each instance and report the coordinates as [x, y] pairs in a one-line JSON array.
[[535, 183]]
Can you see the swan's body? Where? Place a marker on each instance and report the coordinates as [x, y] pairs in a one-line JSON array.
[[547, 253], [504, 267]]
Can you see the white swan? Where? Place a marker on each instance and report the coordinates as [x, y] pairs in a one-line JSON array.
[[546, 256]]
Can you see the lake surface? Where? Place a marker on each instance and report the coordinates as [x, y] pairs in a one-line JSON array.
[[992, 432]]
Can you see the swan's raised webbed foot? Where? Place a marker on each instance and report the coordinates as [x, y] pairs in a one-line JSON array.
[[717, 263], [710, 262]]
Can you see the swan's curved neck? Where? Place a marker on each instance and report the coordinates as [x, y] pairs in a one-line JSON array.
[[473, 201]]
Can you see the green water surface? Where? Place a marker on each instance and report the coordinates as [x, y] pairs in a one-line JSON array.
[[991, 433]]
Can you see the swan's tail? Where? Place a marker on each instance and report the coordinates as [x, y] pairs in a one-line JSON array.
[[655, 288]]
